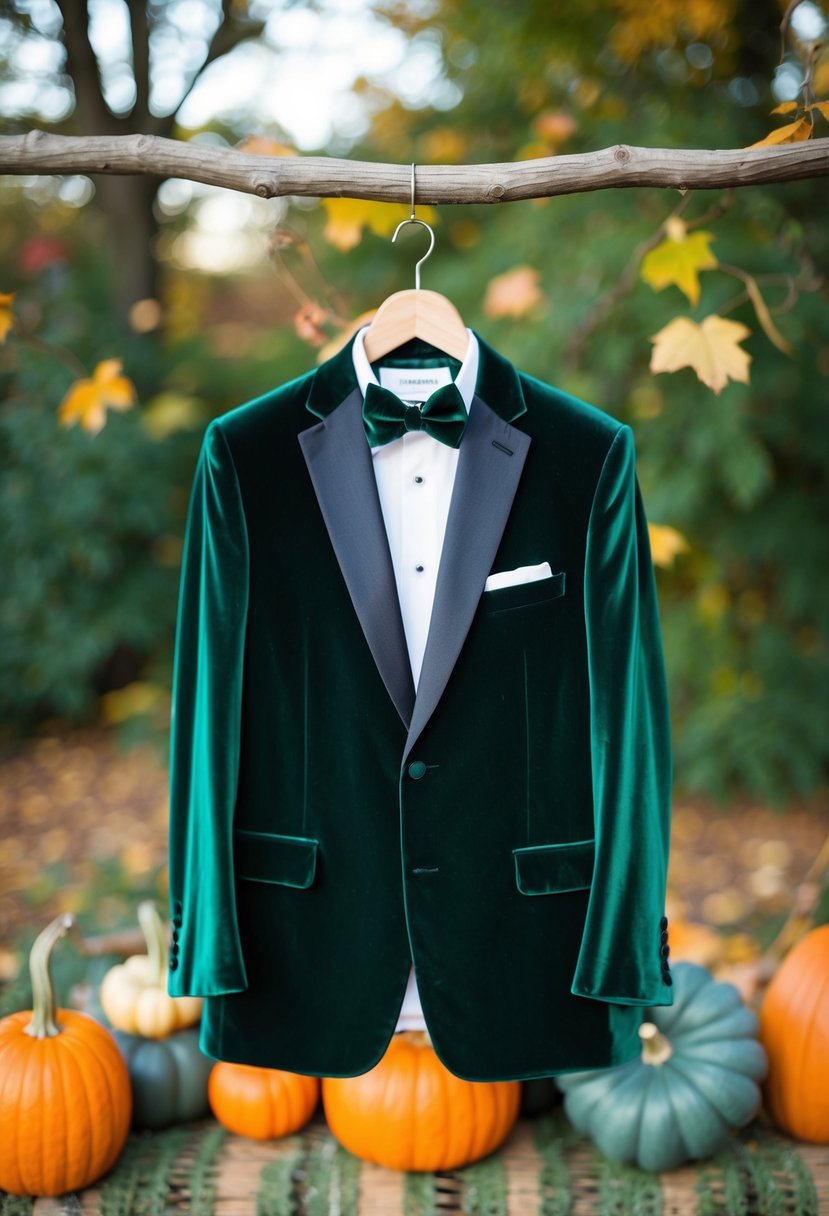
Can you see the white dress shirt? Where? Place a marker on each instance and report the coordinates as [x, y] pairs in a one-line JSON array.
[[415, 476]]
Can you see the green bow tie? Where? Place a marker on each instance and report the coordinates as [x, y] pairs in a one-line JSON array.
[[386, 417]]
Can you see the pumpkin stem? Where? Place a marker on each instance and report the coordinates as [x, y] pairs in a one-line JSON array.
[[43, 1024], [156, 938], [656, 1049]]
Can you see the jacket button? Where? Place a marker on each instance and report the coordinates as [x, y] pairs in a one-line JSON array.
[[173, 963], [663, 936], [417, 769], [177, 920], [663, 922], [664, 951]]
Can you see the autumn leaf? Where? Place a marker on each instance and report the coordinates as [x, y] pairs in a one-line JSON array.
[[792, 133], [666, 543], [514, 293], [348, 217], [554, 126], [87, 400], [140, 697], [264, 145], [6, 315], [710, 348], [309, 322], [443, 146], [678, 260]]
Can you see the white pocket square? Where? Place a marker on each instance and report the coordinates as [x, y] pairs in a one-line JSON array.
[[521, 574]]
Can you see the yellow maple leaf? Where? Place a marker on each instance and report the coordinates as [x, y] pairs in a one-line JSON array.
[[88, 400], [710, 348], [679, 260], [6, 316], [514, 293], [348, 217], [666, 543]]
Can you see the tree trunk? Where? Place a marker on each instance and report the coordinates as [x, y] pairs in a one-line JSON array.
[[127, 204]]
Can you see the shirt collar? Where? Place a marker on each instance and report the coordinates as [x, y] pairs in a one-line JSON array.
[[465, 381]]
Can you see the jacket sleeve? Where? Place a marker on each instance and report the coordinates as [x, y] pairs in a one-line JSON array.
[[205, 955], [621, 958]]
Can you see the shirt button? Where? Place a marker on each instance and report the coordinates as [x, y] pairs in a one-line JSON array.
[[417, 770], [419, 569], [418, 480]]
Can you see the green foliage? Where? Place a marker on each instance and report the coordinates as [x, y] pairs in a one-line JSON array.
[[81, 518]]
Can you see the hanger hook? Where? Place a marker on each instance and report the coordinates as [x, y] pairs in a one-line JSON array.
[[413, 220]]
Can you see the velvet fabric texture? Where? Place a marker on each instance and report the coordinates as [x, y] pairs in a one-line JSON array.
[[507, 828]]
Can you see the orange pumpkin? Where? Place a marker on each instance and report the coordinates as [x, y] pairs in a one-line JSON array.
[[794, 1029], [65, 1097], [263, 1103], [410, 1112]]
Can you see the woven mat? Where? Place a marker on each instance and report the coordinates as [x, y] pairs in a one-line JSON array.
[[543, 1169]]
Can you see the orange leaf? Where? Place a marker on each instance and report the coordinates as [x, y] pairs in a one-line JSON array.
[[264, 145], [554, 126], [785, 107], [87, 400], [6, 316], [514, 293], [308, 323], [792, 133], [710, 348]]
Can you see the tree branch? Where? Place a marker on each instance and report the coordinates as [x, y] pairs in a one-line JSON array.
[[620, 166], [229, 33]]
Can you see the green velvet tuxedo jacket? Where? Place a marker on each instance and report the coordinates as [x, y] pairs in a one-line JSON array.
[[506, 828]]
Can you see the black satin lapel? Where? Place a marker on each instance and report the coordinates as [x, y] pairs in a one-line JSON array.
[[339, 462], [490, 462]]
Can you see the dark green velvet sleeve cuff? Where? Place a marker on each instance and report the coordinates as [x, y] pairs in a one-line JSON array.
[[620, 957], [206, 957]]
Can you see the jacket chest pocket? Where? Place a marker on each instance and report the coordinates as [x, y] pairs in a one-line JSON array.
[[523, 595]]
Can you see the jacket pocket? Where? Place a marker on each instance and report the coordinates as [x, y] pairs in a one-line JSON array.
[[550, 869], [268, 857], [539, 591]]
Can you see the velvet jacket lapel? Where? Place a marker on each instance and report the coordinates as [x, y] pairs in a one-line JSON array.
[[490, 462]]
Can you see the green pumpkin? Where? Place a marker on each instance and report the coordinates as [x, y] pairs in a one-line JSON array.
[[169, 1077], [695, 1081]]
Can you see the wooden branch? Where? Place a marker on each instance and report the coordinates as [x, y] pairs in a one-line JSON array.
[[620, 166], [231, 31]]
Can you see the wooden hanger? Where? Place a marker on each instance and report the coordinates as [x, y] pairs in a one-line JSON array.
[[416, 314]]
